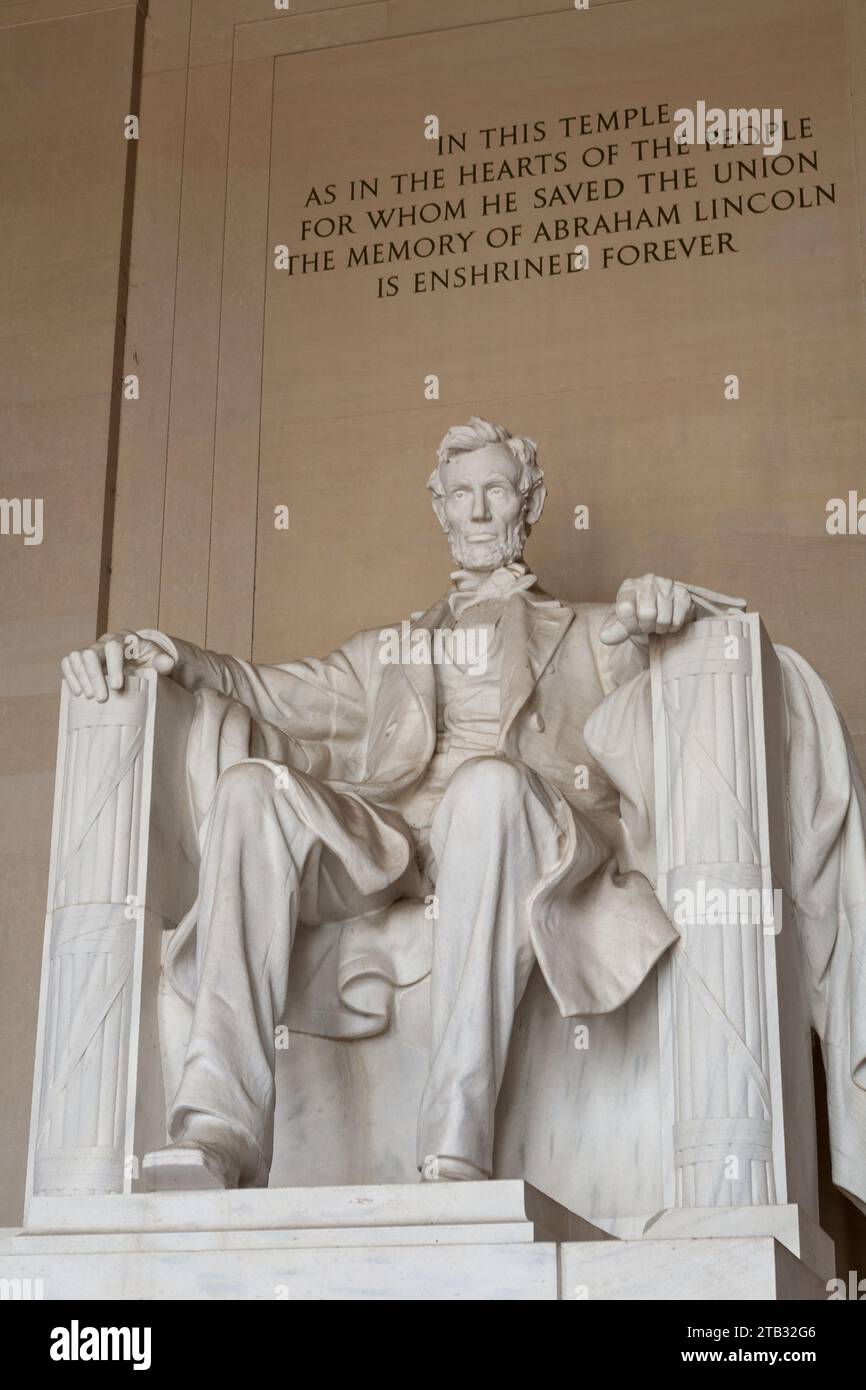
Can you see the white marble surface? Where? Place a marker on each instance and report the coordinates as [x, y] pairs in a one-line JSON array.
[[497, 1240], [489, 1261], [717, 1269], [346, 1111], [418, 1272], [489, 1240], [583, 1123], [314, 1208], [793, 1228]]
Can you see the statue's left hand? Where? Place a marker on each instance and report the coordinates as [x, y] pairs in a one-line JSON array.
[[646, 605], [98, 669]]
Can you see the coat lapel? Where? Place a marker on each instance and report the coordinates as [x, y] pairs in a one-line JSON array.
[[531, 635], [398, 747], [422, 677]]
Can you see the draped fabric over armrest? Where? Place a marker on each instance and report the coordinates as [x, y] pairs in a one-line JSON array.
[[827, 826]]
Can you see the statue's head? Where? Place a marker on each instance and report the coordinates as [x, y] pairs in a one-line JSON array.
[[487, 493]]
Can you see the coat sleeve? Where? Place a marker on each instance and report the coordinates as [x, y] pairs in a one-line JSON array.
[[313, 700], [618, 664]]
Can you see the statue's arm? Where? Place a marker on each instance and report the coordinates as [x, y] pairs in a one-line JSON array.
[[643, 607], [311, 699], [651, 604]]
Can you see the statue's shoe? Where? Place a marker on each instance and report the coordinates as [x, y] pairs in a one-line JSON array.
[[189, 1167], [439, 1169]]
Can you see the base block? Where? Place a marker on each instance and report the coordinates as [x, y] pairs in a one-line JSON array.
[[788, 1224], [715, 1268], [171, 1267], [500, 1240]]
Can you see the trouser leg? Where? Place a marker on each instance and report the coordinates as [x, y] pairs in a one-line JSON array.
[[264, 867], [498, 832]]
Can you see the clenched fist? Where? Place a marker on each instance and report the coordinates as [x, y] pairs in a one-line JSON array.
[[98, 669], [646, 605]]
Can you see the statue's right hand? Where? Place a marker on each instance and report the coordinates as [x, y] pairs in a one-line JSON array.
[[98, 669]]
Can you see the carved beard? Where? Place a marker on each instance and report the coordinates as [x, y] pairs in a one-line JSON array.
[[491, 555]]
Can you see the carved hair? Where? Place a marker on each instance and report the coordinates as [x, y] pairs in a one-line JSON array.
[[464, 439]]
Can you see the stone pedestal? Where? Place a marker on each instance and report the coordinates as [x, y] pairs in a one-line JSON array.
[[724, 1269], [472, 1241]]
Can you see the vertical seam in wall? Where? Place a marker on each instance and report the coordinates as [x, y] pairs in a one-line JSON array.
[[116, 386], [265, 279], [216, 394], [855, 149], [174, 315]]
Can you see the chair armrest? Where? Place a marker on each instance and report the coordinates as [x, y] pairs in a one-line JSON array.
[[123, 866], [739, 1129]]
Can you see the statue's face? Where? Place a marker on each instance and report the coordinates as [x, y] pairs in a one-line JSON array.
[[483, 511]]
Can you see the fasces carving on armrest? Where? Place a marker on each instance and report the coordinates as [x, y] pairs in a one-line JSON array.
[[715, 879], [110, 887]]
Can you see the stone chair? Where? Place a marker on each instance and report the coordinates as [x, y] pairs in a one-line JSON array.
[[648, 1129]]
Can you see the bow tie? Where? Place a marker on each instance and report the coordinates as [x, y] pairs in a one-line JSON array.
[[499, 585]]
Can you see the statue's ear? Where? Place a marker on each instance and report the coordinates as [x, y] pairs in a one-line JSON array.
[[535, 504], [439, 509]]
